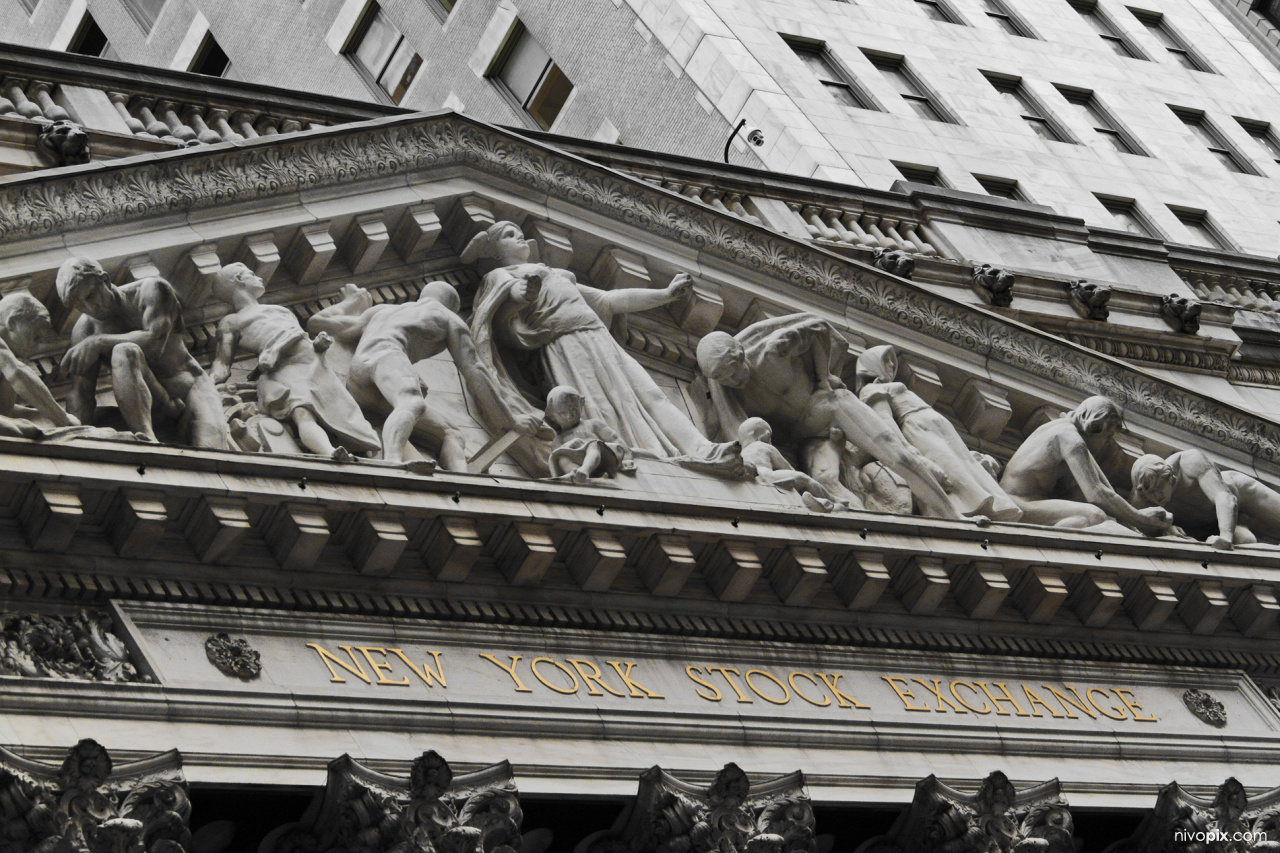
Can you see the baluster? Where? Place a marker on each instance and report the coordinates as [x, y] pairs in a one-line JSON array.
[[168, 112], [6, 106], [120, 100], [873, 228], [693, 191], [861, 237], [734, 200], [812, 214], [224, 130], [154, 125], [203, 132], [930, 241], [923, 248], [316, 125], [712, 197], [26, 109], [674, 186], [266, 126], [813, 232], [244, 121], [43, 93], [890, 227], [1201, 289], [290, 126], [832, 218]]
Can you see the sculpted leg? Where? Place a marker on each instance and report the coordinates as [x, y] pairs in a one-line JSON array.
[[1257, 502], [129, 383], [1060, 513], [313, 436], [208, 423]]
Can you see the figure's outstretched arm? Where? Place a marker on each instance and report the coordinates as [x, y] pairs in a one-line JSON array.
[[628, 299], [1097, 490], [344, 320], [1196, 466], [227, 342], [26, 383]]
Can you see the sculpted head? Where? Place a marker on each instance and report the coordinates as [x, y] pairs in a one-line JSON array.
[[24, 322], [83, 284], [1098, 416], [237, 278], [442, 292], [1153, 480], [564, 407], [878, 364], [755, 429], [722, 359], [502, 242]]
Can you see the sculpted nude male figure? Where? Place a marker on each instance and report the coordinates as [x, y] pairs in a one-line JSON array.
[[1062, 452], [1199, 492], [388, 341], [136, 329], [24, 322]]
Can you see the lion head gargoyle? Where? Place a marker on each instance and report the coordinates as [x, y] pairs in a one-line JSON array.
[[1182, 312], [994, 285], [1090, 298], [65, 142]]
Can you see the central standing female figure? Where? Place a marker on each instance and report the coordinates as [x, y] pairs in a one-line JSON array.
[[540, 309]]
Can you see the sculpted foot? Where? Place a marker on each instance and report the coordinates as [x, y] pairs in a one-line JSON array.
[[1219, 542], [423, 467], [341, 454], [980, 520]]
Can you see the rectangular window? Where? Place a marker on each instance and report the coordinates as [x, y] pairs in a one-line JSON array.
[[1106, 30], [1209, 136], [210, 59], [145, 12], [1006, 19], [904, 82], [1126, 215], [920, 174], [382, 54], [1160, 30], [1086, 104], [1203, 232], [1035, 117], [1261, 133], [1001, 187], [527, 72], [937, 11], [838, 85], [30, 5], [90, 40]]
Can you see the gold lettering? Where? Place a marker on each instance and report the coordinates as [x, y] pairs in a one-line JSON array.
[[936, 690], [428, 675], [1103, 711], [379, 667], [533, 665], [996, 700], [1035, 700], [791, 679], [638, 691], [985, 709], [689, 671], [725, 672], [786, 694], [594, 676], [832, 680], [510, 670], [1067, 700], [904, 693], [327, 658], [1131, 702]]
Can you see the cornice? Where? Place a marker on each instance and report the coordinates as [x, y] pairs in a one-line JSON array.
[[66, 200]]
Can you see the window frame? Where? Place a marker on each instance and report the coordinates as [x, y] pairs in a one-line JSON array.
[[139, 14], [1032, 112], [1158, 25], [911, 172], [946, 14], [78, 37], [364, 23], [840, 80], [1009, 189], [1217, 142], [1129, 207], [1113, 35], [1092, 107], [1190, 217], [207, 43], [1263, 134], [920, 93], [494, 75], [999, 11]]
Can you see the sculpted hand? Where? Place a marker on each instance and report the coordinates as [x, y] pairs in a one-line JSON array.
[[681, 287], [350, 290], [1155, 520], [534, 426], [81, 358], [322, 342], [528, 290]]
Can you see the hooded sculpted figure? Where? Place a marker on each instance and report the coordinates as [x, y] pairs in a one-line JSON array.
[[973, 491], [525, 308]]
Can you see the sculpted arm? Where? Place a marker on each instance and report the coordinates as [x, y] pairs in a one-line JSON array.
[[344, 320], [82, 399], [630, 299], [28, 386], [479, 381], [1098, 491], [1194, 465], [158, 315], [227, 341]]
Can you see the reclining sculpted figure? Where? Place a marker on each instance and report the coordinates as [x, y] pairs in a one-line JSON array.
[[783, 370], [1200, 495], [136, 329], [1061, 454]]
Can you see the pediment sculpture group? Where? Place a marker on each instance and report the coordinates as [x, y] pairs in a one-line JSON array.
[[556, 392]]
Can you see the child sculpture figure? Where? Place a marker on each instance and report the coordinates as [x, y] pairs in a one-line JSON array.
[[584, 447], [772, 468]]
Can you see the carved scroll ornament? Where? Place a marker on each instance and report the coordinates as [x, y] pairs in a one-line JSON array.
[[80, 646]]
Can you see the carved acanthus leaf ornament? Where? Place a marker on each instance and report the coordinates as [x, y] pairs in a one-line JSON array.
[[78, 646], [1232, 822]]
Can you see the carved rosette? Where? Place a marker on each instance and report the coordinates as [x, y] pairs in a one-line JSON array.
[[433, 811], [78, 646], [1206, 707], [233, 656], [671, 816], [1181, 822], [89, 805], [997, 819]]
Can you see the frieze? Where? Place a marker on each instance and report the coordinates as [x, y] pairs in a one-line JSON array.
[[45, 205], [81, 646]]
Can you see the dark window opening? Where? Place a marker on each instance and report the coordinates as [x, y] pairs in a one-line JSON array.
[[1199, 125], [833, 79], [1262, 134], [1170, 40], [211, 59], [904, 82], [145, 12], [920, 174], [527, 72], [90, 40], [1001, 187], [1125, 213], [934, 10], [1106, 31], [1202, 231], [381, 53], [1096, 117], [1030, 111], [1006, 20]]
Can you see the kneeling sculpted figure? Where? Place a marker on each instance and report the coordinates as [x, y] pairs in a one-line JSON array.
[[24, 322], [136, 329], [1061, 453], [1199, 493], [783, 370]]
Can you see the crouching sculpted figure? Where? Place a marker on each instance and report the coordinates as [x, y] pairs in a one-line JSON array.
[[783, 370], [24, 322], [294, 382], [584, 447], [388, 340], [773, 468], [1060, 455], [532, 308], [1200, 494], [973, 490], [136, 330]]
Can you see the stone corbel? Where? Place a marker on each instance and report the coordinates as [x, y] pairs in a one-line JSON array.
[[524, 551], [859, 579], [216, 528], [981, 587], [1039, 592], [796, 573], [193, 276], [309, 253], [921, 583], [616, 268], [732, 567], [700, 313], [136, 521], [416, 233], [260, 254], [1203, 606], [1095, 597], [983, 408], [555, 242], [1149, 601], [450, 546], [920, 377], [665, 562], [594, 558], [1254, 610], [375, 541], [296, 533], [466, 217], [365, 241], [50, 514], [139, 267]]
